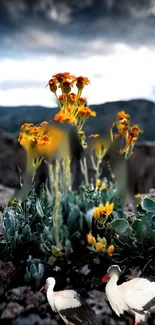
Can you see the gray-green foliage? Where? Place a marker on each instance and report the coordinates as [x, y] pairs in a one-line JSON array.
[[28, 226], [137, 232], [34, 271], [30, 223], [144, 224]]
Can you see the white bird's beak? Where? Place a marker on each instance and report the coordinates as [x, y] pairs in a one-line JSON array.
[[106, 276], [43, 288]]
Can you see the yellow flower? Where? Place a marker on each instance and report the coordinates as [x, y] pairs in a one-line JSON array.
[[41, 140], [138, 196], [66, 86], [63, 76], [103, 186], [81, 82], [34, 130], [106, 209], [98, 184], [104, 241], [26, 126], [99, 246], [62, 117], [122, 126], [62, 98], [53, 85], [29, 143], [84, 112], [131, 137], [71, 98], [91, 239], [94, 135], [49, 140], [82, 101], [43, 123], [110, 250], [121, 115], [96, 213]]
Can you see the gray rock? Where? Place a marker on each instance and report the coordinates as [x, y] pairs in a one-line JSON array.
[[7, 272], [2, 306], [35, 299], [5, 194], [18, 294], [12, 310], [98, 301], [32, 319]]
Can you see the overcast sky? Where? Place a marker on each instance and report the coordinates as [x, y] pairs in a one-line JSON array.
[[110, 41]]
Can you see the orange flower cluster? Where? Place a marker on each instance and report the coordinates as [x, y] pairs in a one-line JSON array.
[[103, 210], [100, 245], [40, 140], [125, 130], [72, 105]]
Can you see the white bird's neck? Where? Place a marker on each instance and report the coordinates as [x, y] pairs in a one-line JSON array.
[[112, 284], [113, 280], [50, 297], [114, 295]]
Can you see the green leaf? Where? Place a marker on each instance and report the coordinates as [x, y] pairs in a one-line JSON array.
[[140, 209], [73, 218], [153, 236], [33, 269], [89, 217], [150, 217], [148, 204], [121, 226], [39, 209], [68, 245], [138, 225], [115, 215], [118, 214], [41, 270], [153, 220]]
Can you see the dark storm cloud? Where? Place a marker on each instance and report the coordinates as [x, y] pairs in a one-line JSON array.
[[57, 25]]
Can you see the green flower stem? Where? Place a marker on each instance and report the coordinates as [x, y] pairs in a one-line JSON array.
[[51, 178], [57, 204], [84, 170], [96, 166], [66, 174]]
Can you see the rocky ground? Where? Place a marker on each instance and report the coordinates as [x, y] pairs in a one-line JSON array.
[[22, 306]]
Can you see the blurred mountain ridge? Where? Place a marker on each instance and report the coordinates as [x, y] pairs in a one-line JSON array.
[[142, 113]]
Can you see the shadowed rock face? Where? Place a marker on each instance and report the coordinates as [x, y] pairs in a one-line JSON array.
[[140, 167], [11, 156]]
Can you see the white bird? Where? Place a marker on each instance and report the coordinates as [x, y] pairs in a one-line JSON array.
[[136, 296], [72, 308]]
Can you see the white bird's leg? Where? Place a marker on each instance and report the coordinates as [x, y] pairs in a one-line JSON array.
[[137, 322]]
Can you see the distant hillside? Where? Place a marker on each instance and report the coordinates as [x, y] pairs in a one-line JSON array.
[[142, 112]]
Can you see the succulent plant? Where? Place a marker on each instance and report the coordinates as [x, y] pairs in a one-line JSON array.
[[30, 224], [34, 271]]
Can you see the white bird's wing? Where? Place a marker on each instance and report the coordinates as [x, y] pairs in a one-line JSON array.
[[74, 308], [66, 299], [140, 296], [135, 284]]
